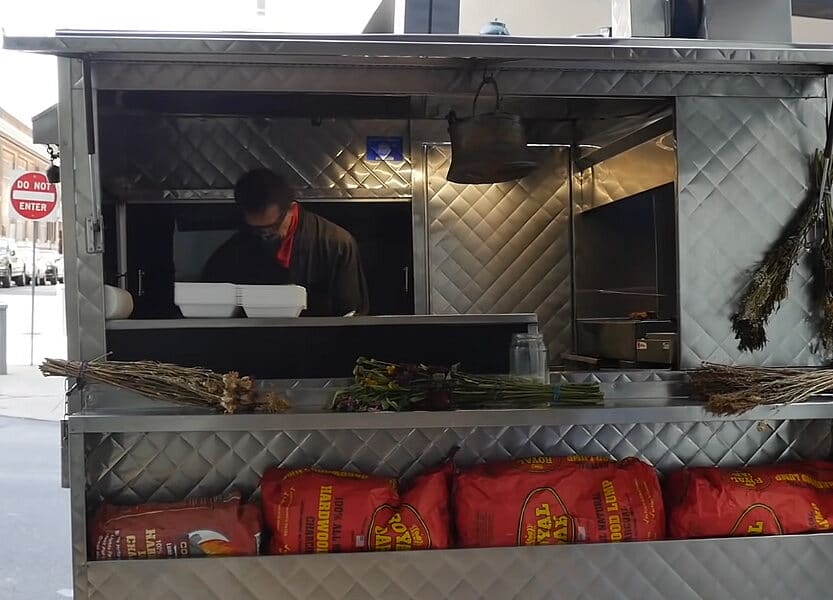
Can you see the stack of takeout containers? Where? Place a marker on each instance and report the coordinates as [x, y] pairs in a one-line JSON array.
[[207, 300], [271, 301], [223, 300]]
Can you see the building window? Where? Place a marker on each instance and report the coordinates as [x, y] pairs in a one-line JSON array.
[[6, 168]]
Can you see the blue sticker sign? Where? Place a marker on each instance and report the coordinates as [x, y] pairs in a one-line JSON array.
[[385, 149]]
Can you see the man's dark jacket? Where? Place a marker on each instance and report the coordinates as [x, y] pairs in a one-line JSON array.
[[325, 260]]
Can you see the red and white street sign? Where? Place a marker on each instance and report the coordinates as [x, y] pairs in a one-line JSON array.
[[33, 197]]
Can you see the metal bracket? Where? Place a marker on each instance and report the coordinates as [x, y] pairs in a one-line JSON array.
[[95, 235], [631, 140], [64, 453]]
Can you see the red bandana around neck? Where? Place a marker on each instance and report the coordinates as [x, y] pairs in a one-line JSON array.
[[284, 256]]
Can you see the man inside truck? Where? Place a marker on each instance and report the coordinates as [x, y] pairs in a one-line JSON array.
[[280, 243]]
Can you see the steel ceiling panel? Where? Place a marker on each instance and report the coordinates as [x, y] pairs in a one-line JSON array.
[[199, 153]]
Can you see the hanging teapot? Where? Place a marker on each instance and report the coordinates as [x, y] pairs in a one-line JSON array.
[[488, 147]]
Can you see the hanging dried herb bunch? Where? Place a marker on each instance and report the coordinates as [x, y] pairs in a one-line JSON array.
[[229, 392], [824, 264], [768, 286]]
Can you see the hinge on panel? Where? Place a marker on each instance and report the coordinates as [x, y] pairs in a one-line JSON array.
[[95, 235]]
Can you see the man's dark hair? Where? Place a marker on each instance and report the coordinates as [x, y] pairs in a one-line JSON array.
[[261, 188]]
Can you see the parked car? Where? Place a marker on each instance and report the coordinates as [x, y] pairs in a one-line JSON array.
[[12, 267], [50, 274], [44, 270], [28, 268]]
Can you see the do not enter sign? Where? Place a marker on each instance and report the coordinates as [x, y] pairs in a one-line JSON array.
[[33, 197]]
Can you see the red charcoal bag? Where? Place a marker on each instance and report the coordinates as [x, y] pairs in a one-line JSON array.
[[766, 500], [557, 500], [314, 510], [219, 526]]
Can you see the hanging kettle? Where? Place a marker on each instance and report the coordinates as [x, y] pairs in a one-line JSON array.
[[488, 147]]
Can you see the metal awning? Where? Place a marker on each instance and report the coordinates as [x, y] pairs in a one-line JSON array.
[[422, 49]]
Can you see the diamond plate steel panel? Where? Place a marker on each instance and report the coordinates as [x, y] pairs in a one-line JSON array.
[[169, 466], [742, 173], [503, 248], [538, 79], [197, 153], [751, 568]]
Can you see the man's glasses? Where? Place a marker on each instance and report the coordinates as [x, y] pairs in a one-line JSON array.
[[271, 230]]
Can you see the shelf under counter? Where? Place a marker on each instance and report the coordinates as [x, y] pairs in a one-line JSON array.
[[312, 347], [364, 321]]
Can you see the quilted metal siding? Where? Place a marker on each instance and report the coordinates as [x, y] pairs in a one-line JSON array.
[[197, 153], [737, 569], [505, 247], [168, 466], [84, 272], [743, 170]]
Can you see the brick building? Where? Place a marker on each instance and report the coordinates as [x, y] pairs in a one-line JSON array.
[[17, 152]]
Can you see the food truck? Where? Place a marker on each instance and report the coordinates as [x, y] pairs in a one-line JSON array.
[[661, 171]]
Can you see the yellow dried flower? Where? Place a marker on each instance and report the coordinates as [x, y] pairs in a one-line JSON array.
[[275, 402]]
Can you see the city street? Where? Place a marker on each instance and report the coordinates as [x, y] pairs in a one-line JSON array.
[[34, 512]]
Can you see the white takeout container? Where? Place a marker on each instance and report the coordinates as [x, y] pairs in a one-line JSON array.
[[207, 300], [272, 301], [223, 300]]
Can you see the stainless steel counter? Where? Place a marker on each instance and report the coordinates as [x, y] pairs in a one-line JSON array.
[[630, 397], [680, 410]]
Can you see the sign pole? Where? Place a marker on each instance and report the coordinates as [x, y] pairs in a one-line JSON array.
[[34, 199], [34, 273]]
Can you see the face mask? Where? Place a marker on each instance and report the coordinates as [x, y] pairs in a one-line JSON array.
[[268, 240]]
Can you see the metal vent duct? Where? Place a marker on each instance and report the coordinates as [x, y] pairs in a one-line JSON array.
[[819, 9]]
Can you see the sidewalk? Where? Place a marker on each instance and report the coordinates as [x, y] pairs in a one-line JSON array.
[[27, 394], [24, 392]]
